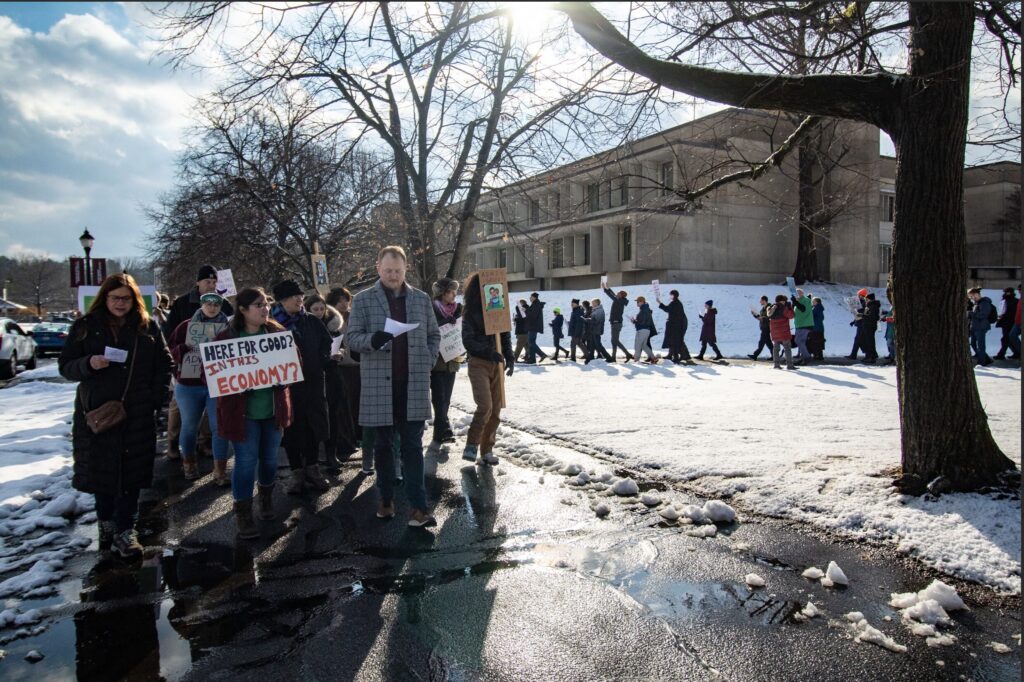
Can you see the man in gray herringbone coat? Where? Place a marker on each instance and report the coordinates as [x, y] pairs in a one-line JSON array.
[[395, 377]]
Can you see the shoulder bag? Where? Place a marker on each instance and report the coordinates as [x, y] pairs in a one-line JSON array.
[[112, 413]]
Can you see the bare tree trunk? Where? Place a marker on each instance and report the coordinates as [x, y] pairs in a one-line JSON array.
[[945, 431], [806, 268]]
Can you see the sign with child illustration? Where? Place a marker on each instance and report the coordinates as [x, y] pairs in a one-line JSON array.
[[494, 294]]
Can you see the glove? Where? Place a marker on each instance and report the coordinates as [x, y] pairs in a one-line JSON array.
[[497, 357], [853, 323], [510, 365], [380, 339]]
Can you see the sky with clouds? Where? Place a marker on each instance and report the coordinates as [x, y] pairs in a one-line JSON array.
[[91, 120]]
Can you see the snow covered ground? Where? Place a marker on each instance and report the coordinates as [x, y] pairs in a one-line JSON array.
[[816, 446], [37, 503], [737, 330]]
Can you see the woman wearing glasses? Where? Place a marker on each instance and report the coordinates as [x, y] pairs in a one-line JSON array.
[[117, 353]]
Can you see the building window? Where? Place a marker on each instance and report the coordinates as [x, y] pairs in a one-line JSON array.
[[586, 250], [668, 177], [556, 206], [625, 243], [885, 257], [486, 219], [502, 258], [556, 254], [534, 212], [593, 197], [888, 207], [623, 191]]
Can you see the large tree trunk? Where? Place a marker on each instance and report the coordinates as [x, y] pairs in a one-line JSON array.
[[806, 268], [945, 431]]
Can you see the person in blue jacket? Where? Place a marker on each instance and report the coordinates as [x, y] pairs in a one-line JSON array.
[[556, 332], [576, 328]]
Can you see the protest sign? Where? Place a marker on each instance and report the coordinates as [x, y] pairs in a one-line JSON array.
[[494, 294], [451, 341], [250, 362], [604, 281], [791, 283], [656, 285], [197, 333], [320, 278], [226, 283]]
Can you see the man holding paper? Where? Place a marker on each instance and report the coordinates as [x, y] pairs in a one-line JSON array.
[[393, 326]]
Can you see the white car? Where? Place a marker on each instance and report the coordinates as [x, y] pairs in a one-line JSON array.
[[16, 348]]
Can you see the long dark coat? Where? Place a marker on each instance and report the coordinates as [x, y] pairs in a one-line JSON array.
[[309, 396], [675, 326], [120, 459], [707, 330]]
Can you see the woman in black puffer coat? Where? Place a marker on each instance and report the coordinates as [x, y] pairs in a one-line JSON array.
[[116, 464]]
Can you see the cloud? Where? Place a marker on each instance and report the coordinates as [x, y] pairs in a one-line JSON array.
[[19, 250], [90, 122]]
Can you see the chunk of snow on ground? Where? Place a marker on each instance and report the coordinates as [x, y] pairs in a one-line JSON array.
[[940, 640], [903, 600], [854, 616], [827, 582], [650, 500], [581, 479], [753, 580], [944, 594], [703, 532], [694, 513], [34, 656], [998, 647], [626, 487], [923, 630], [813, 573], [669, 514], [602, 509], [719, 512], [571, 470], [835, 574], [871, 635], [810, 611], [926, 611]]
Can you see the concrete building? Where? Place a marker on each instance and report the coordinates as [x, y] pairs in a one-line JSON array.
[[618, 212]]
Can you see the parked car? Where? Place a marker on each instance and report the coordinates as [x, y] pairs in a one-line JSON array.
[[50, 337], [16, 348]]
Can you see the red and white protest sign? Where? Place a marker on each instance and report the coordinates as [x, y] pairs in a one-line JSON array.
[[250, 362]]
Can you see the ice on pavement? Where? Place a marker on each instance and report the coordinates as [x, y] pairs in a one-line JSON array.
[[944, 595], [719, 512], [835, 574], [626, 487], [810, 611], [999, 647], [834, 472], [871, 635], [813, 573], [650, 500], [753, 580], [669, 514], [927, 611]]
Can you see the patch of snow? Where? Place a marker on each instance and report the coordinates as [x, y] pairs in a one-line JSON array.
[[602, 510], [669, 514], [871, 635], [813, 573], [923, 630], [626, 487], [753, 580], [703, 532], [571, 470], [694, 513], [927, 611], [903, 600], [650, 500], [719, 512], [854, 616], [827, 582], [835, 574], [998, 647], [810, 611], [944, 594], [940, 640]]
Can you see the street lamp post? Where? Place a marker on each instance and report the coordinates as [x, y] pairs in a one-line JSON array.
[[87, 240]]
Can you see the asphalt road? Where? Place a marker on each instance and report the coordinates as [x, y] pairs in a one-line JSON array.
[[519, 581]]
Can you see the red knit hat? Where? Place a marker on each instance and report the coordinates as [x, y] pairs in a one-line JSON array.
[[862, 292]]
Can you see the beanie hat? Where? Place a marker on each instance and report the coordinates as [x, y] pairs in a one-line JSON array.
[[709, 303], [862, 293], [211, 298], [286, 289], [576, 301], [444, 284], [558, 311], [206, 272]]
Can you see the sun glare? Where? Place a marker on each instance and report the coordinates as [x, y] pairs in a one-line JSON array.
[[529, 19]]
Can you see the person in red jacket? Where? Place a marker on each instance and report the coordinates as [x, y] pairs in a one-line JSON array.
[[779, 316], [254, 420]]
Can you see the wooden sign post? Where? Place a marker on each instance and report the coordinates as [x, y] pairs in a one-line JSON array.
[[497, 321]]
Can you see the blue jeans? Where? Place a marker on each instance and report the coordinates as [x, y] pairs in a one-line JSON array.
[[192, 400], [890, 344], [532, 349], [255, 457], [1015, 339], [411, 435], [978, 345], [801, 342]]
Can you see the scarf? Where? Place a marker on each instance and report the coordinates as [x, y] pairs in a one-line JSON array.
[[220, 318], [287, 321], [448, 310]]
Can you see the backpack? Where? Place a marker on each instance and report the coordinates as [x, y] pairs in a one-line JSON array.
[[993, 316]]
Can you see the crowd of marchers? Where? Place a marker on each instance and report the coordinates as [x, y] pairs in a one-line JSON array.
[[364, 389]]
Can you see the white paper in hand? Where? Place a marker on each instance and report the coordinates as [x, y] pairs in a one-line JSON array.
[[396, 328], [604, 281], [115, 354], [336, 344]]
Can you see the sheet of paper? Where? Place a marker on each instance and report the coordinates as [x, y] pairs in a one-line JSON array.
[[396, 328], [791, 283], [226, 283], [656, 285], [451, 341], [115, 354], [336, 344], [604, 281]]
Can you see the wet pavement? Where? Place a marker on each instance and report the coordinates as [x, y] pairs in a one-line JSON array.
[[520, 580]]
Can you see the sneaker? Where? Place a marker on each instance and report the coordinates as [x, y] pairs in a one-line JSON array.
[[752, 356], [490, 458], [386, 511], [469, 454], [421, 519], [126, 544]]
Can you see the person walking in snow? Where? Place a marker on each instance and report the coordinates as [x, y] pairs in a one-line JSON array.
[[619, 303], [645, 329], [862, 297], [534, 327], [594, 345], [1006, 321], [707, 331], [576, 329], [486, 363], [521, 327], [765, 341], [816, 338], [866, 322], [804, 322], [675, 330], [890, 336], [114, 464], [556, 325], [442, 376], [981, 318], [779, 316]]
